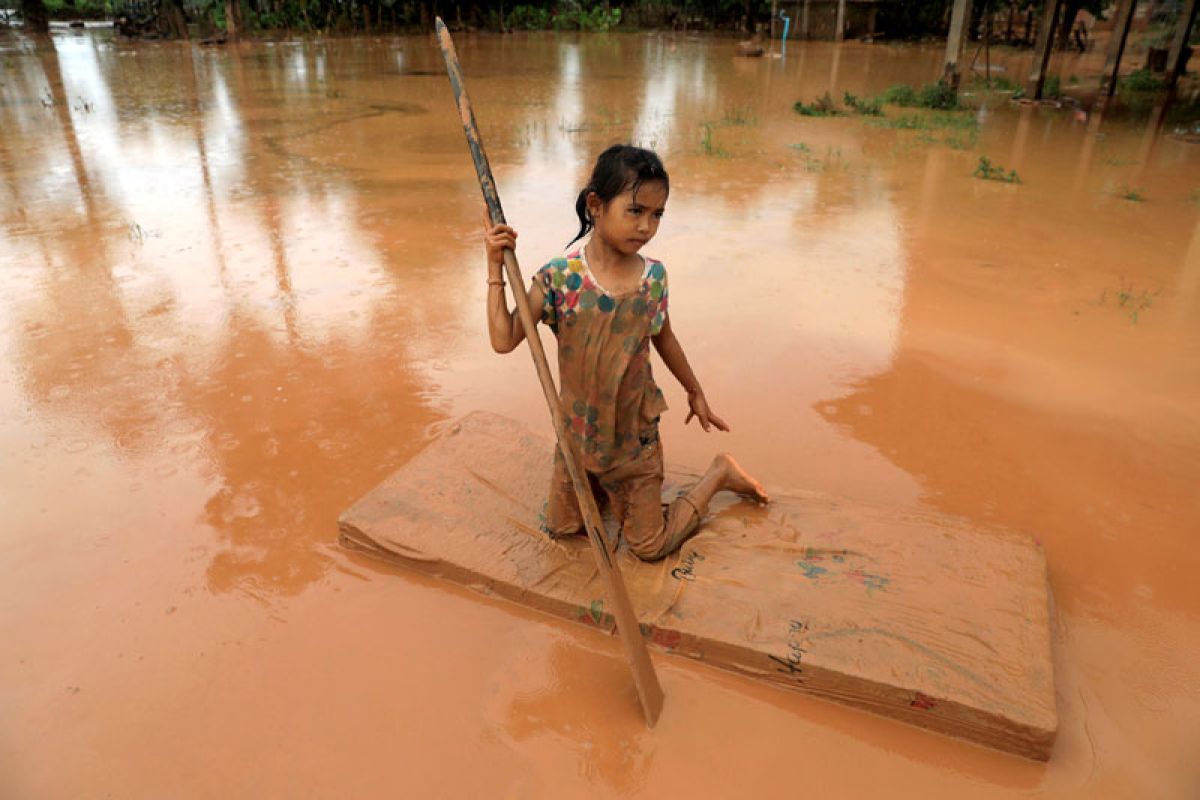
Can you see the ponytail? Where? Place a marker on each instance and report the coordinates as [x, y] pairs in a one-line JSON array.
[[618, 168], [581, 211]]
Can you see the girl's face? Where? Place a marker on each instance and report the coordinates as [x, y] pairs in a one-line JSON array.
[[630, 220]]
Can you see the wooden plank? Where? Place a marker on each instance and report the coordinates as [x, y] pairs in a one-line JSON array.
[[908, 614]]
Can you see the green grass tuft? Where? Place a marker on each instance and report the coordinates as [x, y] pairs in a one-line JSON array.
[[938, 96], [988, 171], [708, 146], [866, 106], [821, 107], [1143, 80]]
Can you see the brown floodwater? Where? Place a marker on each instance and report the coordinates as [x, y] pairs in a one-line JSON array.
[[240, 286]]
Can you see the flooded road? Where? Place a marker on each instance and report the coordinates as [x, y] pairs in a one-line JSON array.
[[240, 286]]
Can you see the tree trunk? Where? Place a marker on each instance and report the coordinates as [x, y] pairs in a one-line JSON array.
[[233, 20], [175, 19], [37, 22], [1070, 12]]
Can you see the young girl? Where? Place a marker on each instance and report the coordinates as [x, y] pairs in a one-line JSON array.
[[605, 304]]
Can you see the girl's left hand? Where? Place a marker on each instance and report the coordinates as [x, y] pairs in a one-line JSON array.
[[700, 410]]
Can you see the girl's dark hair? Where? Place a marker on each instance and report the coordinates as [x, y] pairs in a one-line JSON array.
[[618, 168]]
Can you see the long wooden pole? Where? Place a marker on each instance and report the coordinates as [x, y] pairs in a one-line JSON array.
[[644, 678]]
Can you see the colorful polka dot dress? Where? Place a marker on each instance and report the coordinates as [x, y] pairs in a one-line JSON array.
[[611, 401]]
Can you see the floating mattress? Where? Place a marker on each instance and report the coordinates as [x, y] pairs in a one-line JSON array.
[[905, 613]]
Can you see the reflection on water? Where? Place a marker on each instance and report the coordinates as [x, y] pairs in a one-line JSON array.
[[611, 745], [240, 284], [204, 289]]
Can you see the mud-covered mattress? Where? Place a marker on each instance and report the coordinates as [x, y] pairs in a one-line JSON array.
[[914, 615]]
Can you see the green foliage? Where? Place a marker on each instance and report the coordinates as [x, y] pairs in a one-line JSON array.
[[1143, 80], [1052, 88], [1131, 194], [867, 106], [938, 96], [598, 19], [81, 9], [570, 15], [988, 171], [529, 18], [821, 107], [900, 95]]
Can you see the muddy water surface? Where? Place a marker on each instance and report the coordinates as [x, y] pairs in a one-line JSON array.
[[241, 286]]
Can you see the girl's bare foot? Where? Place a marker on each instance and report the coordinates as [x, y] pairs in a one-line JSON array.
[[738, 480]]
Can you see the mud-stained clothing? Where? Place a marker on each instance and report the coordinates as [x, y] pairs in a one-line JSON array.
[[611, 402]]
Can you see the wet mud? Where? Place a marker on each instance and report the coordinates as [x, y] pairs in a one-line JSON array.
[[240, 286]]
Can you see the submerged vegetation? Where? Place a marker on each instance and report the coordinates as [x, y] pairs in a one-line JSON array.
[[823, 106], [833, 158], [1131, 194], [931, 121], [867, 106], [1130, 300], [1142, 80], [707, 145], [988, 171], [938, 109], [939, 96]]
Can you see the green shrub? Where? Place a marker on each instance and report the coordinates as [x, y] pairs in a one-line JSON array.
[[938, 96], [900, 95], [867, 106], [530, 18], [1141, 81], [821, 107]]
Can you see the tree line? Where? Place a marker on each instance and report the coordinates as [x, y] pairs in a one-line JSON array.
[[231, 19]]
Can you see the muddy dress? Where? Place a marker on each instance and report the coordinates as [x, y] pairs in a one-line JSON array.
[[612, 404]]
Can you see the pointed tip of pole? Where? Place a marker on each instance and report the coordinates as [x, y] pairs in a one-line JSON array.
[[438, 24]]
